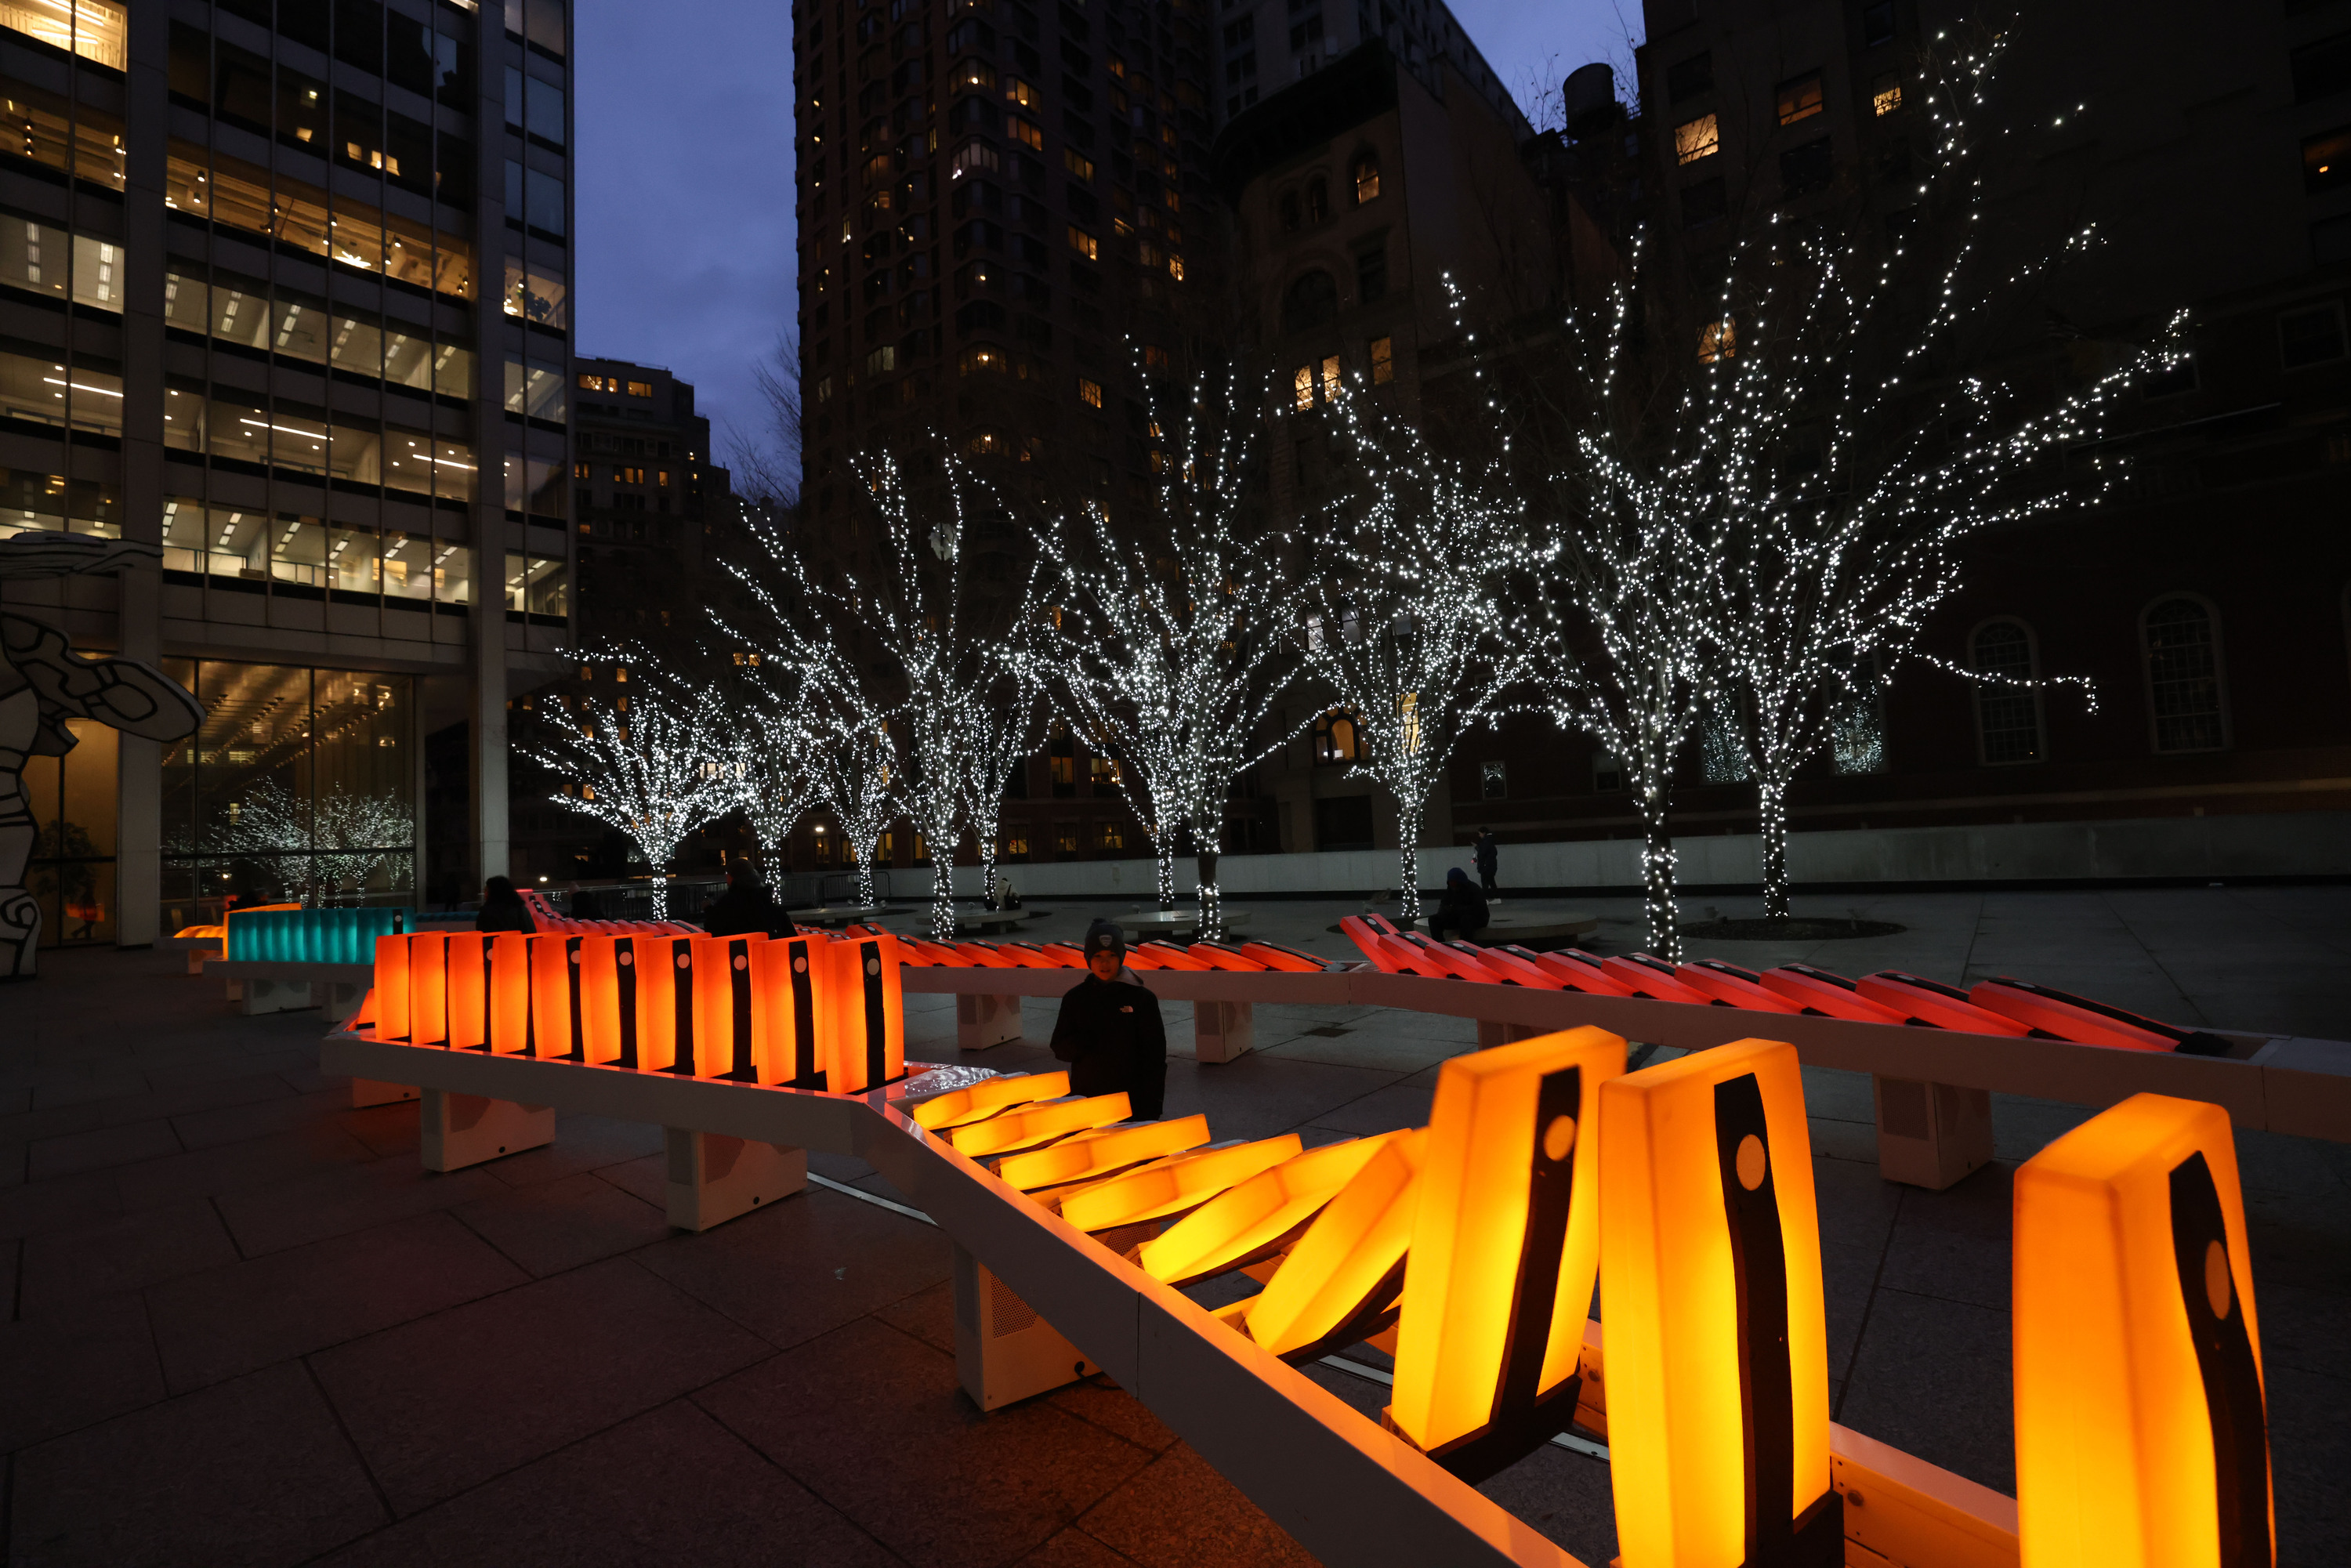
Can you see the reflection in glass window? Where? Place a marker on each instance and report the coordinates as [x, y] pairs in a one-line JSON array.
[[95, 29], [536, 295], [85, 139]]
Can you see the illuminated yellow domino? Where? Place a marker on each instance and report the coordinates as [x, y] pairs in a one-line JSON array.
[[987, 1097], [1171, 1186], [1505, 1245], [1257, 1217], [1718, 1354], [1102, 1152], [1027, 1127], [2139, 1399], [1345, 1271]]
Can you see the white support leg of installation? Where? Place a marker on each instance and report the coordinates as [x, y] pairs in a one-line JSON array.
[[1004, 1351], [367, 1091], [1931, 1134], [461, 1130], [1223, 1031], [714, 1178], [253, 996], [982, 1020]]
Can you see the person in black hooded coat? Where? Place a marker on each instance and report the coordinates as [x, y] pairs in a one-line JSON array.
[[1110, 1030]]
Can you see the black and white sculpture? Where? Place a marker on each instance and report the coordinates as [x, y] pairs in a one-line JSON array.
[[44, 683]]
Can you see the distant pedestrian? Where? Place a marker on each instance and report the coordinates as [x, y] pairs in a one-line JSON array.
[[1110, 1032], [1461, 912], [747, 906], [503, 908], [1487, 853]]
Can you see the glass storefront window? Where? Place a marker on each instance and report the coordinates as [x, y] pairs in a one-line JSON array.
[[301, 783], [95, 29]]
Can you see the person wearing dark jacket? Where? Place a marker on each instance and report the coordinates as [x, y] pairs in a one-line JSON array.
[[747, 906], [503, 908], [1461, 912], [1110, 1032], [1488, 854]]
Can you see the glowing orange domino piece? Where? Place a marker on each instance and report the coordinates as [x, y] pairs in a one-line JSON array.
[[1031, 1125], [1223, 956], [2069, 1017], [1933, 1002], [1650, 977], [987, 1097], [1387, 955], [392, 988], [1168, 955], [1505, 1246], [467, 990], [2140, 1421], [866, 1009], [1341, 1280], [1026, 955], [428, 988], [1734, 987], [1830, 995], [1579, 971], [983, 955], [1174, 1186], [1439, 960], [1517, 966], [1085, 1155], [1717, 1343], [1256, 1218], [1274, 955], [1064, 956]]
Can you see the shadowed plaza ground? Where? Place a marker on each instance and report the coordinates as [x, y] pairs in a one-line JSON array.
[[245, 1326]]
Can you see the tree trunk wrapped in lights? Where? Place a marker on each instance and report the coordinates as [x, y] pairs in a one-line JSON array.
[[854, 769], [1005, 726], [1405, 626], [771, 763], [1177, 632], [656, 770]]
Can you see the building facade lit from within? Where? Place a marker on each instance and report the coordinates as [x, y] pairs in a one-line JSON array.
[[286, 293]]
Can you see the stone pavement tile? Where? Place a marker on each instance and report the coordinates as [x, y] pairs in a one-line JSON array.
[[2022, 1127], [1848, 1284], [14, 1160], [1563, 1494], [1073, 1547], [259, 1118], [1180, 1513], [2318, 1013], [669, 1486], [386, 1130], [1381, 1111], [2276, 1164], [71, 1372], [1839, 1096], [251, 1472], [874, 1422], [227, 1321], [173, 1101], [444, 1403], [2303, 1329], [33, 1207], [929, 1316], [581, 1143], [236, 1167], [1856, 1205], [1932, 1378], [2310, 1452], [1106, 1404], [647, 1179], [196, 1070], [1258, 1096], [2297, 1242], [344, 1197], [805, 1267], [561, 1224], [101, 1147], [76, 1088], [12, 1100], [65, 1268], [1387, 1051], [1847, 1143], [1956, 1244]]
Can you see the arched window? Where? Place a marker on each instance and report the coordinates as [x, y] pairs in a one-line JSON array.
[[2008, 715], [2183, 675], [1367, 177], [1318, 200], [1335, 739], [1288, 210], [1311, 300]]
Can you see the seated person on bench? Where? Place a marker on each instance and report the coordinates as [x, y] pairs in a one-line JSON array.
[[1109, 1031], [1461, 912]]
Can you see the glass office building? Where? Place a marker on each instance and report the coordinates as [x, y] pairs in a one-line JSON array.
[[284, 292]]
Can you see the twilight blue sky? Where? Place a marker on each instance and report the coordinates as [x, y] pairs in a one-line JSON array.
[[684, 120]]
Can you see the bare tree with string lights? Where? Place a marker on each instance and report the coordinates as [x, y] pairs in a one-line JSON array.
[[1407, 623], [1005, 725], [772, 762], [1178, 632], [917, 686], [655, 770], [855, 765]]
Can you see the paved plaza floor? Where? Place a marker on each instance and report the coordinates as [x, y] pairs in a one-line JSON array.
[[243, 1326]]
